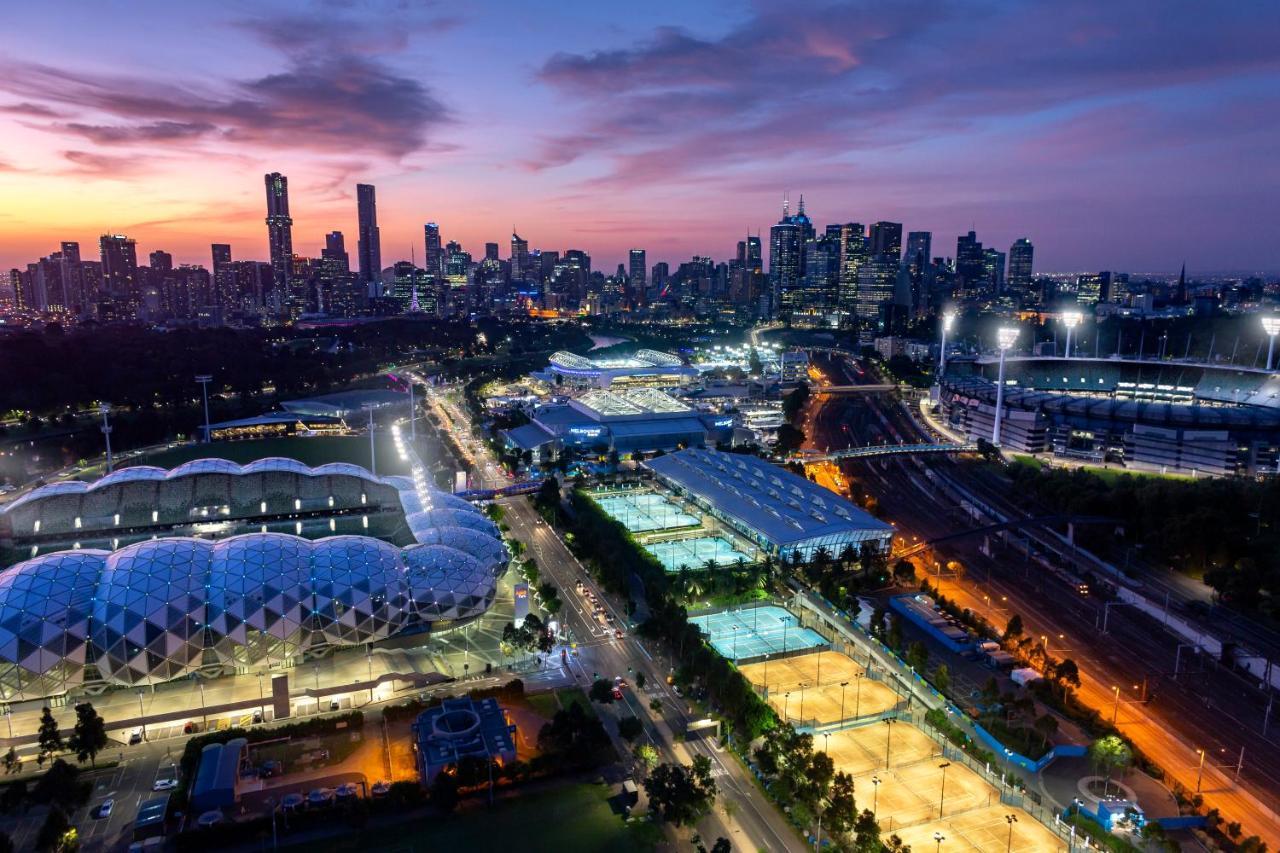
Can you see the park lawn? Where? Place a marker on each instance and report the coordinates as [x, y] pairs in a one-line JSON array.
[[542, 704], [571, 695], [1108, 475], [309, 451], [570, 818]]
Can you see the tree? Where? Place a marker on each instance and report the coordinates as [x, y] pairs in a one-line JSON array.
[[1067, 672], [904, 572], [1013, 628], [49, 737], [867, 833], [640, 679], [12, 763], [56, 834], [647, 756], [89, 736], [1109, 754], [444, 792], [601, 691], [680, 794], [1047, 726], [842, 807], [942, 678], [630, 728], [918, 656], [722, 845]]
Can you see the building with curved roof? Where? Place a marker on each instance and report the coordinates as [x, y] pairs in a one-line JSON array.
[[149, 497], [165, 608], [643, 368]]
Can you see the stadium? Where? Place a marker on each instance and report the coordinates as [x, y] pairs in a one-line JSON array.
[[1168, 415], [169, 607], [643, 368]]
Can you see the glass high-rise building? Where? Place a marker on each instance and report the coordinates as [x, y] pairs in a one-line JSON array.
[[279, 233], [434, 258], [971, 264], [786, 258], [369, 239], [120, 272], [886, 239], [1021, 257], [853, 254]]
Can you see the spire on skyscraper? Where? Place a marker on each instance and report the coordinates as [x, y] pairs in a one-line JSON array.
[[1182, 285], [800, 212]]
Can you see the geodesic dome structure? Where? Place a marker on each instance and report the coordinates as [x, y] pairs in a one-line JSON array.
[[447, 584], [259, 598], [358, 591]]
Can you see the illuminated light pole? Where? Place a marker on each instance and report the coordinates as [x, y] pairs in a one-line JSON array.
[[1115, 711], [373, 454], [1071, 319], [888, 737], [1271, 325], [413, 418], [942, 793], [1011, 819], [104, 409], [1200, 771], [948, 319], [875, 794], [1004, 339], [939, 837], [204, 395]]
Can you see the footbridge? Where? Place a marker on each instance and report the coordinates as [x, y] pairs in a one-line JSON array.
[[874, 450]]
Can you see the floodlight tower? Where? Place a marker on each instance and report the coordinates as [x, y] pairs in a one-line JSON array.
[[1271, 325], [1071, 319], [204, 394], [948, 318], [373, 453], [1004, 339], [104, 409]]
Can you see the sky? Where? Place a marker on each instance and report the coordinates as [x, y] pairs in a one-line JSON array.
[[1115, 135]]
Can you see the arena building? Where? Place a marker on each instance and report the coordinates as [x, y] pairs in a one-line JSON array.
[[640, 419], [644, 368], [1174, 416], [776, 510], [166, 608]]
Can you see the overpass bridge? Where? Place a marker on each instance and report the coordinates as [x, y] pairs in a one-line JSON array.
[[524, 487], [832, 390], [875, 450]]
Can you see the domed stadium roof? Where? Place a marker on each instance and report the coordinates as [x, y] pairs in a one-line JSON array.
[[276, 463], [136, 474], [446, 583], [445, 517], [444, 500], [206, 466], [489, 551]]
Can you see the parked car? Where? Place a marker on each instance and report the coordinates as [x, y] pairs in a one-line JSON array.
[[164, 784], [347, 790], [320, 797], [104, 810], [380, 788], [135, 736]]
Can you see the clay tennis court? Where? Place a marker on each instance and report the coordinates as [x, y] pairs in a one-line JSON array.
[[984, 830], [861, 750], [823, 701]]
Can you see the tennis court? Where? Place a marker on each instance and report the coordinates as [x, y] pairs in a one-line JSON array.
[[643, 512], [756, 631], [694, 552], [985, 829], [861, 751], [815, 684]]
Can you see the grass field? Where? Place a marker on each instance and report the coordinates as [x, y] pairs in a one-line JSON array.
[[575, 817], [573, 695], [543, 704], [308, 451]]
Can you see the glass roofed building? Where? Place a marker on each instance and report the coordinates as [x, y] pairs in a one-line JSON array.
[[778, 511], [164, 608], [643, 368]]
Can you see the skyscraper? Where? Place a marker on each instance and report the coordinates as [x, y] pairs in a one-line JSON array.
[[369, 242], [786, 258], [519, 257], [73, 277], [637, 276], [919, 249], [491, 251], [279, 233], [993, 269], [224, 276], [886, 239], [433, 258], [120, 272], [970, 260], [853, 254], [1021, 254]]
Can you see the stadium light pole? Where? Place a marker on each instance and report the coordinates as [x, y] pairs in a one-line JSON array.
[[948, 319], [1271, 325], [204, 394], [413, 419], [1071, 319], [1004, 339], [373, 455], [104, 409], [1011, 819]]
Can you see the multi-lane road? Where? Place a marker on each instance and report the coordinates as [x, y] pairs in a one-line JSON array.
[[1204, 709]]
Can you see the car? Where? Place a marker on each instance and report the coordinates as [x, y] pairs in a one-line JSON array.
[[188, 727], [320, 797], [347, 790], [291, 802], [257, 716], [675, 688], [380, 788], [619, 681], [617, 634], [208, 819], [164, 784], [104, 810], [333, 705], [135, 736], [617, 694], [269, 768]]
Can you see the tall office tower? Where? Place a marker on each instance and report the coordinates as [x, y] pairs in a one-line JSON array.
[[369, 239], [120, 273], [919, 248], [1093, 287], [853, 254], [886, 239], [638, 275], [786, 259], [971, 264], [519, 257], [223, 276], [433, 257], [279, 234], [660, 275], [1021, 254], [491, 251], [877, 280], [822, 269], [72, 274], [161, 261], [993, 269]]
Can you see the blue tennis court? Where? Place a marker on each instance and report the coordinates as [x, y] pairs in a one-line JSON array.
[[642, 512], [694, 552], [756, 631]]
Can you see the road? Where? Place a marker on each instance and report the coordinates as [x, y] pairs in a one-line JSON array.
[[1205, 709], [755, 824]]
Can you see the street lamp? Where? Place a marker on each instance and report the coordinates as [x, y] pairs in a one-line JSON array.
[[939, 837], [1271, 325], [1115, 711], [843, 685], [875, 794], [942, 793], [1004, 339], [948, 318], [1200, 771], [204, 394], [1071, 319], [104, 409], [888, 739], [1011, 819]]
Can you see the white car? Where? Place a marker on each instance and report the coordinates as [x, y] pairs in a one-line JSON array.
[[164, 784], [104, 810]]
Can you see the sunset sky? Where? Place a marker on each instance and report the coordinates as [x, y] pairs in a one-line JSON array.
[[1112, 137]]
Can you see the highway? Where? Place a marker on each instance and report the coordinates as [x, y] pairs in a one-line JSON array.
[[1206, 708]]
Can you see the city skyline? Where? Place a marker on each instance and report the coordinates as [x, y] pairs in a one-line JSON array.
[[676, 130]]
